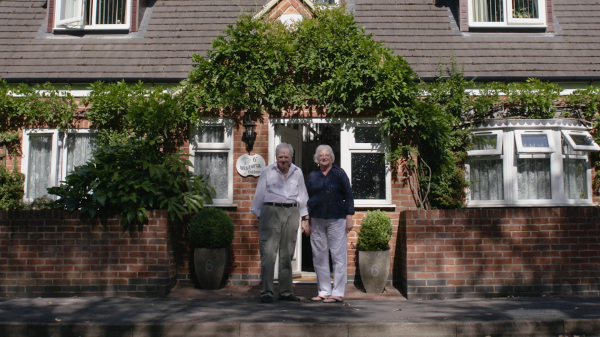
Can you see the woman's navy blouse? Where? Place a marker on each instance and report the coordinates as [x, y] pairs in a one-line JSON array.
[[330, 196]]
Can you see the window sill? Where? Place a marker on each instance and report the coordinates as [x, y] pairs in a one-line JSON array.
[[574, 204], [96, 31], [222, 205], [374, 206]]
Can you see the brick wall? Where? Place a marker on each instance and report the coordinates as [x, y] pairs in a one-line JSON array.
[[498, 252], [55, 253]]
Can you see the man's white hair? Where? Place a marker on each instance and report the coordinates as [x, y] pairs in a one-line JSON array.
[[321, 148], [284, 145]]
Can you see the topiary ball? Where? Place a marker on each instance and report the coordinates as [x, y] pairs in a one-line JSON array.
[[375, 232], [211, 228]]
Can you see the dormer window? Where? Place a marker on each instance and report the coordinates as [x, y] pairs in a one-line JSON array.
[[507, 13], [93, 14]]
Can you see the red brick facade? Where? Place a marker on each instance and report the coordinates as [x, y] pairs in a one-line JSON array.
[[54, 253], [498, 252]]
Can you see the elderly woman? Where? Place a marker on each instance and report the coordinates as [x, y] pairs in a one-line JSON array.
[[330, 207]]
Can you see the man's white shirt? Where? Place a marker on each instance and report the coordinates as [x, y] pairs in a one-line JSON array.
[[274, 187]]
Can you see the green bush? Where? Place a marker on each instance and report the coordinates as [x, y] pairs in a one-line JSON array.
[[375, 232], [131, 178], [211, 228], [11, 189]]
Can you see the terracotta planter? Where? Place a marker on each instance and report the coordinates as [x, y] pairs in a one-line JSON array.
[[374, 270], [210, 266]]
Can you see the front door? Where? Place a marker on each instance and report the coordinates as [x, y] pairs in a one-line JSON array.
[[291, 136]]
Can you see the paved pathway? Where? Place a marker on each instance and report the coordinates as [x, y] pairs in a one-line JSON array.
[[237, 312]]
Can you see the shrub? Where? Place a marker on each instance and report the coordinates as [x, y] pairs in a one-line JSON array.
[[211, 228], [11, 189], [131, 178], [375, 232]]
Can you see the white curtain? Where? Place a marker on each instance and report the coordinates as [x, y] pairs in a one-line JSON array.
[[39, 166], [488, 10], [487, 180], [80, 147], [212, 134], [215, 165], [534, 179], [575, 178]]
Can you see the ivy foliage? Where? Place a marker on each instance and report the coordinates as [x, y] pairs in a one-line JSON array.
[[327, 63], [11, 189]]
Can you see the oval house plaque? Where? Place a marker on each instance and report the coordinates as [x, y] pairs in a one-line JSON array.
[[250, 165]]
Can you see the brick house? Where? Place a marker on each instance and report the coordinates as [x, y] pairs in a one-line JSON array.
[[76, 43]]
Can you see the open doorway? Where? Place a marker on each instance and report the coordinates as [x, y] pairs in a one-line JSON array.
[[313, 135]]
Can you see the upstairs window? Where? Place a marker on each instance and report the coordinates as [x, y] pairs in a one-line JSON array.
[[507, 13], [93, 14]]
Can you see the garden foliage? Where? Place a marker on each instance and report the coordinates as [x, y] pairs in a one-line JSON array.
[[11, 189]]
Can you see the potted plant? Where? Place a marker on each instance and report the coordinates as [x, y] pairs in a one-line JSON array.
[[211, 233], [373, 245]]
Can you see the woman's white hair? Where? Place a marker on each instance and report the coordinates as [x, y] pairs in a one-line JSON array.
[[321, 148], [284, 145]]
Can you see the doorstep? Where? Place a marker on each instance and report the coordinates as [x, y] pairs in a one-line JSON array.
[[303, 290]]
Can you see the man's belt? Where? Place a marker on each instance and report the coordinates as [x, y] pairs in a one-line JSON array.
[[280, 204]]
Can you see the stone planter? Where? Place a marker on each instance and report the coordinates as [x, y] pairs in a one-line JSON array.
[[374, 270], [210, 266]]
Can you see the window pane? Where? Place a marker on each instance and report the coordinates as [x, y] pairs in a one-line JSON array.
[[68, 9], [488, 10], [80, 147], [39, 166], [214, 164], [582, 140], [368, 175], [575, 178], [111, 12], [534, 140], [212, 134], [525, 9], [487, 180], [367, 135], [324, 2], [485, 142], [534, 179]]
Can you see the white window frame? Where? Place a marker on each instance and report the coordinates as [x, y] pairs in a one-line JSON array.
[[567, 134], [226, 147], [59, 153], [70, 24], [53, 157], [508, 20], [555, 131], [522, 149], [347, 146], [497, 151]]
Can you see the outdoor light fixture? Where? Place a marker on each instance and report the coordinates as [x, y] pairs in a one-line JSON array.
[[249, 135]]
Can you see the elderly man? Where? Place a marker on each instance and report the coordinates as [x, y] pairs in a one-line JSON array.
[[279, 201]]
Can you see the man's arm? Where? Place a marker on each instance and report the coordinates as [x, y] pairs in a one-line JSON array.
[[259, 194]]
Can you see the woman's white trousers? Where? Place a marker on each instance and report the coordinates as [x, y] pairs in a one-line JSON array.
[[329, 235]]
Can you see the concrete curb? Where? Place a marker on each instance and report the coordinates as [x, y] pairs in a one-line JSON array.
[[555, 328]]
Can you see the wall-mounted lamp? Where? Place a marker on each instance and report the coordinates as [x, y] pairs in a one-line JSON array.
[[249, 135]]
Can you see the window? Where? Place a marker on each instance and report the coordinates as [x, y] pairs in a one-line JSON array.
[[363, 159], [212, 151], [528, 165], [50, 155], [93, 14], [503, 13]]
